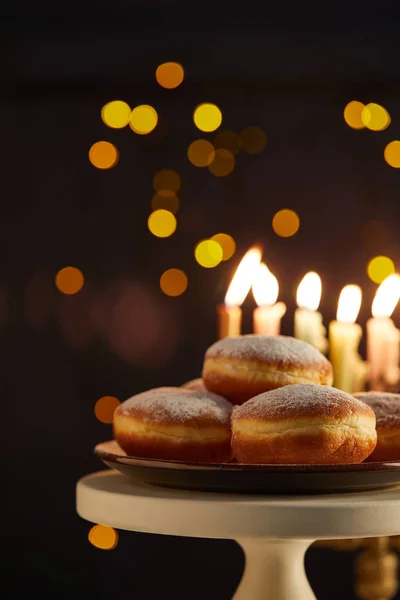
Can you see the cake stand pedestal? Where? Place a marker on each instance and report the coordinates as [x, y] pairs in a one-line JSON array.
[[273, 531]]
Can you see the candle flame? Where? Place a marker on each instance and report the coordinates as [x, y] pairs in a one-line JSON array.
[[243, 278], [309, 291], [386, 297], [265, 286], [349, 304]]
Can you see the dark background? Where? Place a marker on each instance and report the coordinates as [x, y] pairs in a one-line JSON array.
[[289, 69]]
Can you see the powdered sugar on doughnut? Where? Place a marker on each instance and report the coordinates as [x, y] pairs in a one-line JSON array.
[[386, 407]]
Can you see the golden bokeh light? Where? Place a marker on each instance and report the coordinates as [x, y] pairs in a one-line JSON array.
[[143, 119], [201, 153], [103, 155], [105, 407], [352, 114], [392, 154], [227, 244], [223, 163], [69, 280], [166, 180], [173, 282], [165, 200], [208, 253], [375, 117], [162, 223], [207, 117], [116, 114], [379, 268], [252, 139], [228, 140], [169, 75], [103, 537], [285, 223]]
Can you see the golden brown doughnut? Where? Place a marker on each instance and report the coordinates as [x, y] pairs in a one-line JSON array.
[[386, 407], [303, 424], [196, 385], [175, 424], [239, 368]]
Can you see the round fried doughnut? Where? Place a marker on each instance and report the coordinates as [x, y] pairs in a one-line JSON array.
[[239, 368], [303, 424], [386, 407], [175, 424], [196, 385]]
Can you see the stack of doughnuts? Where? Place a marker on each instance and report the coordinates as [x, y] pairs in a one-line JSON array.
[[260, 400]]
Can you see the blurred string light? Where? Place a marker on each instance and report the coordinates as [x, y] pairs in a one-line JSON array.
[[169, 75], [173, 282], [162, 223], [201, 153], [166, 180], [353, 114], [223, 163], [143, 119], [69, 280], [103, 155], [392, 154], [375, 117], [379, 268], [227, 244], [116, 114], [228, 140], [285, 223], [105, 407], [208, 253], [207, 117], [252, 139], [103, 537], [166, 200]]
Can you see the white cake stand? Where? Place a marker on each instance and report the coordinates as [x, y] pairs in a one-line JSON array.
[[274, 531]]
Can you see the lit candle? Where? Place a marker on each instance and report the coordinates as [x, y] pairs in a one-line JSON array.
[[268, 314], [308, 324], [230, 313], [349, 370], [383, 338]]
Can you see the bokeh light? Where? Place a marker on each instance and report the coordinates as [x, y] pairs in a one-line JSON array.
[[173, 282], [352, 114], [223, 163], [285, 223], [103, 155], [201, 153], [105, 407], [166, 179], [143, 119], [103, 537], [392, 154], [227, 244], [228, 140], [162, 223], [375, 117], [207, 117], [69, 280], [252, 139], [208, 253], [379, 268], [165, 200], [116, 114], [169, 75]]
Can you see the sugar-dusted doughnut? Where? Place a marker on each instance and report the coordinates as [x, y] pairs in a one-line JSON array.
[[303, 424], [196, 385], [175, 424], [239, 368], [386, 407]]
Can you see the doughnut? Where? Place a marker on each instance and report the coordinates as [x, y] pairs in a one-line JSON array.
[[196, 385], [239, 368], [386, 407], [303, 423], [175, 424]]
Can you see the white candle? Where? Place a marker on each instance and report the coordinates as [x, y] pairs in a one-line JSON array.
[[308, 324], [267, 316], [349, 370], [230, 313], [383, 338]]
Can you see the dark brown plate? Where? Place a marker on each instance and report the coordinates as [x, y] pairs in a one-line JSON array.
[[252, 479]]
